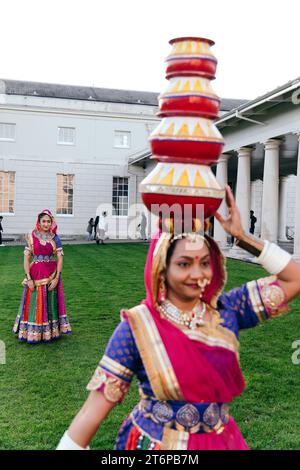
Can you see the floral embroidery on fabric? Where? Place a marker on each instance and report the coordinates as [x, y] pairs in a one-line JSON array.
[[274, 299], [44, 237], [113, 388], [272, 296]]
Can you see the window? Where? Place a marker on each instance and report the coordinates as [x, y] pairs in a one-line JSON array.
[[7, 131], [66, 136], [122, 139], [64, 194], [7, 192], [120, 196]]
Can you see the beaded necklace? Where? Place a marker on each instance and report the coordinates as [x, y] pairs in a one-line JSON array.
[[191, 319], [44, 236]]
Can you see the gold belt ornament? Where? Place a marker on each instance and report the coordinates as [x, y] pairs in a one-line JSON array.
[[188, 417]]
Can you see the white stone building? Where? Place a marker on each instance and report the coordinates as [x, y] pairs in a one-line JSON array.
[[261, 161], [71, 149]]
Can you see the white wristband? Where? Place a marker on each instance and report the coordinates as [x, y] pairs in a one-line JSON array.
[[66, 443], [273, 258]]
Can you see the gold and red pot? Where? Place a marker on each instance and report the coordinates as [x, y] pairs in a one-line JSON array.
[[191, 56], [189, 96], [181, 184], [186, 139]]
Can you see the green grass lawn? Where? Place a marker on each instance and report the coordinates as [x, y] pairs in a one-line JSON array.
[[43, 386]]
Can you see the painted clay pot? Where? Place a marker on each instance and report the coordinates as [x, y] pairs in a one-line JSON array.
[[187, 139], [182, 184], [191, 56], [189, 96]]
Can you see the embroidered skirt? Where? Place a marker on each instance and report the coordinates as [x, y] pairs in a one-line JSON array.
[[42, 315]]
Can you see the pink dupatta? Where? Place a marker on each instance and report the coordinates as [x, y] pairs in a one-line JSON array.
[[204, 373]]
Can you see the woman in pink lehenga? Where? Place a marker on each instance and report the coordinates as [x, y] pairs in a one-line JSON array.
[[182, 343], [42, 315]]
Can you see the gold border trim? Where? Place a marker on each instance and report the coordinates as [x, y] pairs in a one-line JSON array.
[[114, 388], [211, 140], [181, 191], [211, 340], [182, 94], [174, 440], [115, 367], [158, 366], [40, 282], [256, 302]]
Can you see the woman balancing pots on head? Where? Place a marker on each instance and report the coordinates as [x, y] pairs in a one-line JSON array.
[[42, 316], [182, 344], [182, 340]]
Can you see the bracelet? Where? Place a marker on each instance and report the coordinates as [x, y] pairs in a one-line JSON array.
[[273, 258], [67, 443], [28, 277], [251, 244]]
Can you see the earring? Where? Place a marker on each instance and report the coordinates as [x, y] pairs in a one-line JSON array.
[[162, 291]]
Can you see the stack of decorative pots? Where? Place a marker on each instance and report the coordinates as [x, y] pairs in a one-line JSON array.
[[186, 142]]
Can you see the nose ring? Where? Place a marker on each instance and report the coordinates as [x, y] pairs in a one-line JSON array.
[[202, 283]]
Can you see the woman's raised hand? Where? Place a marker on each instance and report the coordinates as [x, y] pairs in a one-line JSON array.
[[232, 224]]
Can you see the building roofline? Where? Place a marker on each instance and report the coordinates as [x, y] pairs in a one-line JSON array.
[[85, 93], [267, 97], [139, 156]]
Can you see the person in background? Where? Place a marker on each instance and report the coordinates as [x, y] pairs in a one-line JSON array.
[[96, 226], [42, 314], [1, 230], [253, 221], [142, 226], [89, 229], [100, 235]]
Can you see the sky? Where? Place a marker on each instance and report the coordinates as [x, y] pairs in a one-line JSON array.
[[123, 43]]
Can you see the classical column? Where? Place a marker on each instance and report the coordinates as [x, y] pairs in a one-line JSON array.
[[242, 195], [297, 210], [222, 177], [256, 196], [283, 197], [269, 211]]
